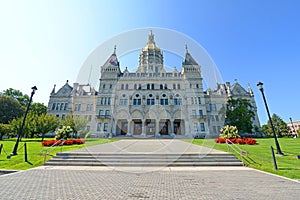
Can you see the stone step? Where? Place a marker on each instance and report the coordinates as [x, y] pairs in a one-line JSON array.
[[142, 159], [144, 164]]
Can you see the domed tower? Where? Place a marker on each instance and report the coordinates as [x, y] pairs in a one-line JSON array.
[[151, 57]]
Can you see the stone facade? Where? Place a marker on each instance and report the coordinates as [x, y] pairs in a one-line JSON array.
[[150, 101]]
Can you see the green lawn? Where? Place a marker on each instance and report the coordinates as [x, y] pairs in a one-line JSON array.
[[260, 156], [33, 151]]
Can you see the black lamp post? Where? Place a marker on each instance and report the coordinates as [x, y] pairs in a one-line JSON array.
[[22, 126], [260, 87], [294, 131]]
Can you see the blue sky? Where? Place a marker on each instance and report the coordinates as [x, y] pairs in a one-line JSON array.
[[44, 43]]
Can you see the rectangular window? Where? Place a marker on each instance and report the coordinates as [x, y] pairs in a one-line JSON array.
[[53, 106], [200, 113], [99, 126], [103, 86], [101, 113], [107, 113], [102, 101], [89, 118], [110, 86], [164, 102], [212, 118], [135, 86], [150, 102], [174, 86], [217, 118], [108, 100], [77, 107], [152, 86], [192, 99], [66, 106], [148, 86], [89, 107], [126, 87], [161, 86], [199, 100], [202, 127], [105, 128], [62, 106], [196, 127], [178, 86], [194, 113], [166, 86]]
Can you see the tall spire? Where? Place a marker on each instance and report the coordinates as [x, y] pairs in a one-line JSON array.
[[189, 60], [53, 90], [115, 48], [250, 90], [151, 37]]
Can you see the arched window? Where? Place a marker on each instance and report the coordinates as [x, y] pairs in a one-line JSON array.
[[137, 99], [150, 100], [123, 100], [164, 100], [177, 100]]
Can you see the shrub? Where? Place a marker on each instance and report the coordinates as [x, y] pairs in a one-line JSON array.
[[249, 141], [63, 133], [229, 132], [58, 142]]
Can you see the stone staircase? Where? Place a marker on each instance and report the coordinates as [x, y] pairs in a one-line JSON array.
[[143, 159]]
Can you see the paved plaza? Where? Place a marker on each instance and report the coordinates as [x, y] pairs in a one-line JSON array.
[[146, 183]]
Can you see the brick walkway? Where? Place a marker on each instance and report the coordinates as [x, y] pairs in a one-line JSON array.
[[146, 183]]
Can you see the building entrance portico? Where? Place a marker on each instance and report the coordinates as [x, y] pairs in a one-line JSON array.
[[137, 126], [150, 127], [178, 125], [164, 126], [122, 127]]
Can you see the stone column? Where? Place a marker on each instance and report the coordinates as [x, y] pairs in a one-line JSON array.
[[157, 134], [143, 128], [172, 126]]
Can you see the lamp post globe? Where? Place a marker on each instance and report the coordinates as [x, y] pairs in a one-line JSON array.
[[260, 87]]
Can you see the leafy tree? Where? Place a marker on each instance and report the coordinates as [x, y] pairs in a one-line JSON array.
[[240, 114], [281, 128], [4, 130], [17, 123], [45, 123], [18, 95], [38, 108], [9, 109]]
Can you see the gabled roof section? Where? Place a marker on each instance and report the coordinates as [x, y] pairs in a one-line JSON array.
[[237, 89], [189, 60], [112, 60], [65, 90]]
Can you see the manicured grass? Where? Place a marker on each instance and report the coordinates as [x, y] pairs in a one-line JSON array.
[[260, 156], [34, 147]]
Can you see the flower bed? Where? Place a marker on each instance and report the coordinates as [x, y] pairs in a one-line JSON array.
[[66, 142], [249, 141]]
